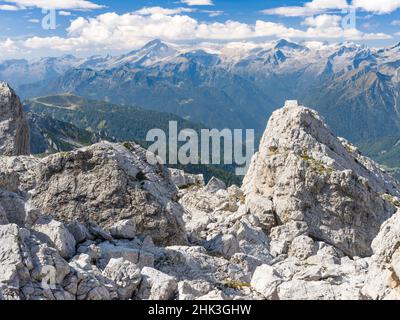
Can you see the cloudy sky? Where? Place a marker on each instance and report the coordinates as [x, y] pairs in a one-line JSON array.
[[33, 28]]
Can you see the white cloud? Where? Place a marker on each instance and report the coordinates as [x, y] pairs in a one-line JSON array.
[[309, 9], [198, 2], [395, 23], [34, 20], [7, 47], [7, 7], [64, 13], [111, 31], [165, 11], [55, 4], [323, 21], [327, 4], [377, 6]]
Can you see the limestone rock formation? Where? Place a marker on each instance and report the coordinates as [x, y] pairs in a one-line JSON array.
[[182, 179], [14, 128], [106, 183], [313, 220], [304, 173], [383, 281]]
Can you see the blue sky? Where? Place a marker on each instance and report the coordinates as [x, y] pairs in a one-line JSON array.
[[86, 27]]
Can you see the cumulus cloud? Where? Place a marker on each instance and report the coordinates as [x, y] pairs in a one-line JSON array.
[[55, 4], [377, 6], [130, 30], [123, 32], [323, 21], [198, 2]]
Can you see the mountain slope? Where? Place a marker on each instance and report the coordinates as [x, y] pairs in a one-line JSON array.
[[108, 120], [64, 122], [49, 135]]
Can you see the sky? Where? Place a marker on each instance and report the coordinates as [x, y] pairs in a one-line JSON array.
[[36, 28]]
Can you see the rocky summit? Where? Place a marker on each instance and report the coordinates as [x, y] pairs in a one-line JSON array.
[[313, 220], [14, 128]]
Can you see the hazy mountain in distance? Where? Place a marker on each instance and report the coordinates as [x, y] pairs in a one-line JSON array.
[[21, 71]]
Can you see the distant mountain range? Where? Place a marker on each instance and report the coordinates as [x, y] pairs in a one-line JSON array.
[[354, 87]]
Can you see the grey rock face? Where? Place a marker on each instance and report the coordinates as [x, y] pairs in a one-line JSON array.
[[56, 235], [79, 231], [124, 229], [157, 285], [215, 184], [304, 173], [383, 281], [3, 216], [106, 183], [266, 280], [125, 274], [29, 269], [14, 128], [17, 174], [14, 207]]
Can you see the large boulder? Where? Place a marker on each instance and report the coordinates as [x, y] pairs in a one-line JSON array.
[[303, 173], [106, 183], [14, 128]]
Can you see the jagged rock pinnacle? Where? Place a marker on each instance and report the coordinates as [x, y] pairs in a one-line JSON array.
[[304, 173], [14, 128]]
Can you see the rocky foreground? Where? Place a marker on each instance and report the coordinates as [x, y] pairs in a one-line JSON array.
[[314, 219]]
